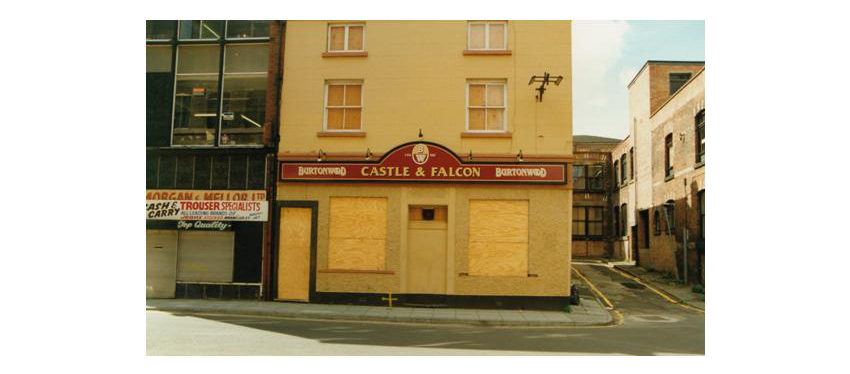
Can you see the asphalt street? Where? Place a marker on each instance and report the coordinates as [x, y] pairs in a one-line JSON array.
[[651, 326]]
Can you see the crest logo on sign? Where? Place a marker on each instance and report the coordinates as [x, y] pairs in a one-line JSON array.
[[420, 154]]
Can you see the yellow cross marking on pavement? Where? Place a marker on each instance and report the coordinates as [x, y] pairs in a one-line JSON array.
[[390, 299]]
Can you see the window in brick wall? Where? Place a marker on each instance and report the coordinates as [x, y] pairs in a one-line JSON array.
[[617, 172], [677, 80], [657, 220], [487, 36], [346, 38], [616, 221], [631, 163], [700, 136], [588, 221], [701, 197], [668, 155], [624, 220], [670, 216], [623, 165]]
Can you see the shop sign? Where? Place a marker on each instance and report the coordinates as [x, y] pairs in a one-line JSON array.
[[204, 225], [194, 210], [424, 162], [240, 195]]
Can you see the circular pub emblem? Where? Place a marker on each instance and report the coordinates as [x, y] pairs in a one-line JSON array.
[[420, 154]]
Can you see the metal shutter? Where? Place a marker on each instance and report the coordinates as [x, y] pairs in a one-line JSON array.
[[205, 256]]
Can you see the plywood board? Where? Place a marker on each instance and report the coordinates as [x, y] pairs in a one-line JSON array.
[[356, 254], [504, 221], [358, 217], [498, 237], [489, 258], [293, 275], [426, 260]]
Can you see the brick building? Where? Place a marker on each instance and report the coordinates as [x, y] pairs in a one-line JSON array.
[[593, 180], [661, 173]]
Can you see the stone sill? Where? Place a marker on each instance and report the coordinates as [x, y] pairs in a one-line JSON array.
[[348, 271], [467, 134], [345, 54], [341, 134], [486, 52]]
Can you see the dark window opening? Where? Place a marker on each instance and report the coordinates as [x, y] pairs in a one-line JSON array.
[[670, 216], [617, 172], [668, 153], [657, 220], [677, 80], [700, 136], [631, 163], [428, 214], [623, 168], [588, 221]]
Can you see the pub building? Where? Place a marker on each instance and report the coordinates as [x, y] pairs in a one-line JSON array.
[[212, 93], [417, 159]]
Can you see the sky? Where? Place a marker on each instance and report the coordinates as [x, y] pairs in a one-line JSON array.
[[608, 54]]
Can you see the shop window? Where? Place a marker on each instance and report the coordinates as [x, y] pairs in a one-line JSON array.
[[247, 29], [588, 221], [346, 38], [159, 30], [700, 136], [668, 156], [343, 106], [487, 36], [677, 80], [201, 30], [486, 106], [657, 221], [358, 233], [244, 94], [498, 237]]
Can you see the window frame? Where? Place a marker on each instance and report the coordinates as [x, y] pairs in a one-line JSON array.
[[617, 172], [253, 38], [668, 150], [345, 38], [486, 35], [487, 83], [587, 221], [670, 81], [223, 74], [656, 217], [700, 142], [345, 82], [175, 43], [632, 163], [623, 175], [670, 217], [624, 220], [220, 38]]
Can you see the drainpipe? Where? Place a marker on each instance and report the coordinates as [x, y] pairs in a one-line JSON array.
[[685, 231]]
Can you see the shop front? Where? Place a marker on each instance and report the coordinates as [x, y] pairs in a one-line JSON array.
[[429, 226], [205, 243]]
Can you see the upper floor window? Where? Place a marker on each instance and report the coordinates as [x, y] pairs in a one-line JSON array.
[[657, 220], [623, 166], [201, 30], [486, 106], [668, 155], [631, 163], [617, 172], [196, 95], [159, 30], [343, 106], [487, 36], [247, 29], [677, 80], [700, 136], [346, 38], [243, 109]]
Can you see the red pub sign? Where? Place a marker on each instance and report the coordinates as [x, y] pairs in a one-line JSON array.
[[424, 162]]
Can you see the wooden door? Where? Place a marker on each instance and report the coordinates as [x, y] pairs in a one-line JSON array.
[[161, 263], [426, 251], [293, 271]]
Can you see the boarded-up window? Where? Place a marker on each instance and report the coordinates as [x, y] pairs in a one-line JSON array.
[[486, 106], [343, 106], [498, 237], [487, 35], [358, 233], [345, 38]]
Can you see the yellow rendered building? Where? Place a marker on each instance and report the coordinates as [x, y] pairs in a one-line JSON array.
[[422, 159]]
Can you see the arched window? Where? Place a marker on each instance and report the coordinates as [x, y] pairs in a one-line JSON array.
[[670, 216]]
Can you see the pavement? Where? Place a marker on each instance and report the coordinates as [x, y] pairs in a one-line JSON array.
[[679, 292], [589, 313]]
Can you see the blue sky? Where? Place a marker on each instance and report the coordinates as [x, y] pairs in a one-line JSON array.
[[608, 54]]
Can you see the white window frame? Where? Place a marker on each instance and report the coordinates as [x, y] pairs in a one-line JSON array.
[[180, 24], [345, 37], [487, 83], [342, 82], [486, 36]]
